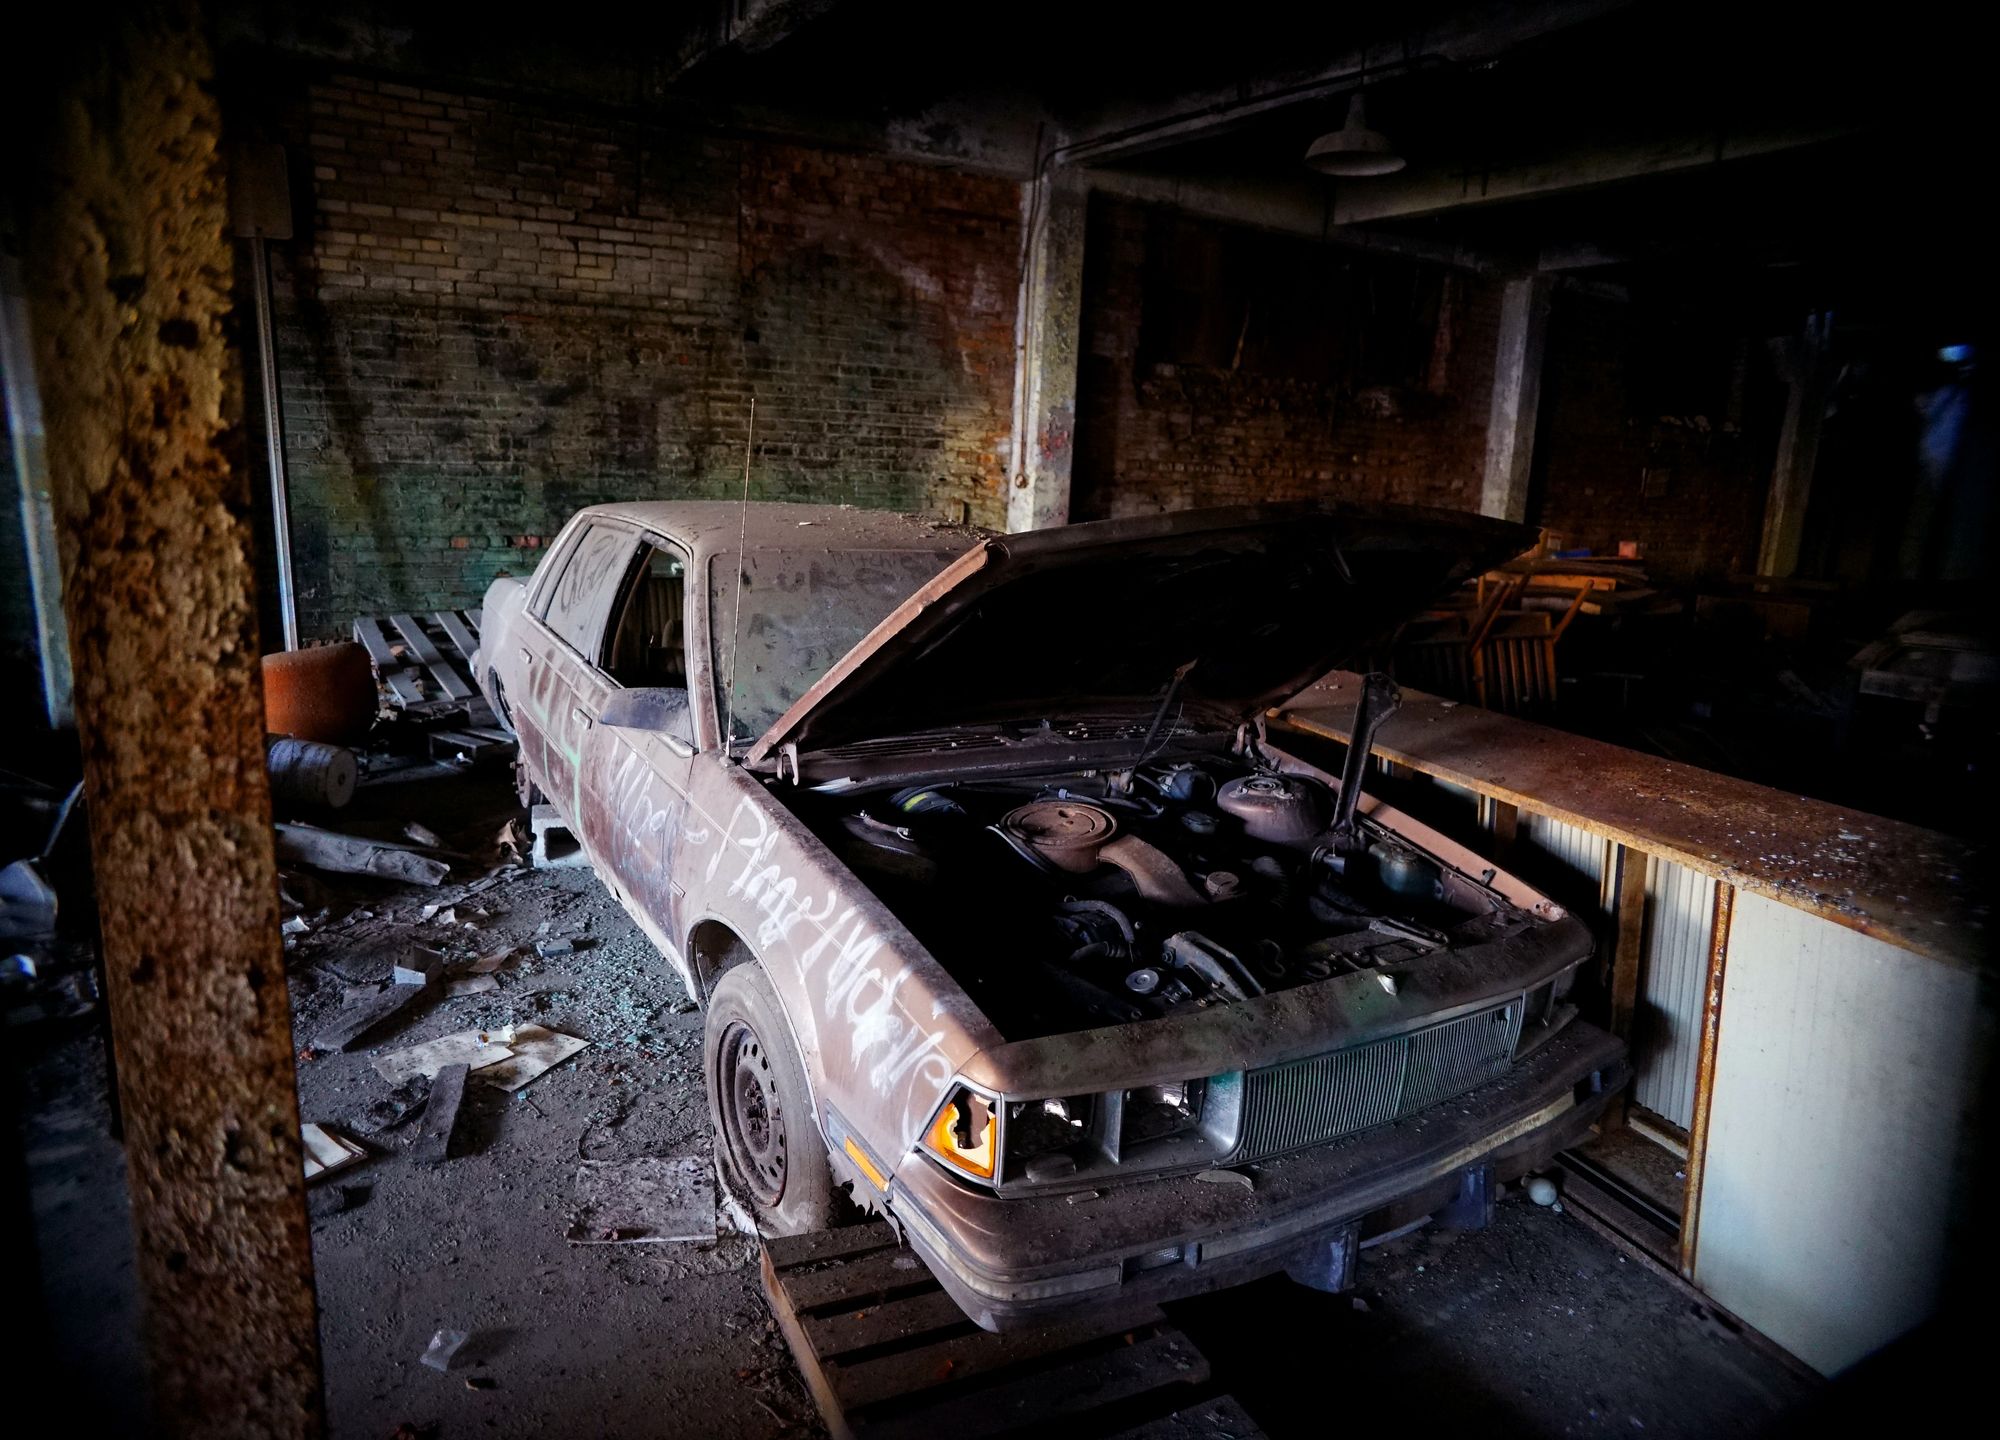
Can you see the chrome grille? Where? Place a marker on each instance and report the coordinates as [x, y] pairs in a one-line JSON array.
[[1309, 1102]]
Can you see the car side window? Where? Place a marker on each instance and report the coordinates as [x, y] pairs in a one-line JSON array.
[[648, 648], [579, 602]]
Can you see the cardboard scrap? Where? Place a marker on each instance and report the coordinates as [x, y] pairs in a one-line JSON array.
[[327, 1150], [470, 985], [487, 964], [535, 1050], [475, 1049], [652, 1200]]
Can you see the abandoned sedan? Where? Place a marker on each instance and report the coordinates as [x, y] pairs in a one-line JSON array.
[[998, 896]]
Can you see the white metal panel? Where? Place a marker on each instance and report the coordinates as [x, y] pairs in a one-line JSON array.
[[1565, 860], [1666, 1031], [1844, 1077]]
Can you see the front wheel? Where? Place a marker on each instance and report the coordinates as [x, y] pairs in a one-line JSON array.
[[758, 1102]]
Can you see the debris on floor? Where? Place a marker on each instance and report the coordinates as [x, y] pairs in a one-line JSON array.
[[367, 1017], [327, 1150], [444, 1348], [535, 1050], [650, 1200], [433, 1143], [474, 1049], [355, 855]]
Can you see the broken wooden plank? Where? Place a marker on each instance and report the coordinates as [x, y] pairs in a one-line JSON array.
[[352, 855], [433, 1142], [381, 654], [327, 1150], [415, 642], [362, 1019], [471, 746], [458, 632], [448, 678]]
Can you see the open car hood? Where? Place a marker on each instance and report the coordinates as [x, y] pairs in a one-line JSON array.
[[1098, 618]]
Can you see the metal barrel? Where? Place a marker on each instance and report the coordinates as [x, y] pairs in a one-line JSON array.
[[305, 772]]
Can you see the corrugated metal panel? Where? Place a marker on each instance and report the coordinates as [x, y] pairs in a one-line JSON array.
[[1565, 860], [1666, 1032], [1845, 1077]]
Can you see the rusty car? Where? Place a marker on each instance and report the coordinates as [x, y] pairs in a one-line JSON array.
[[999, 893]]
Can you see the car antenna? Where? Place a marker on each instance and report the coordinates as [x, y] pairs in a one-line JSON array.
[[736, 620]]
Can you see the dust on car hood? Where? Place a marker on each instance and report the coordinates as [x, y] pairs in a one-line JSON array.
[[1247, 604]]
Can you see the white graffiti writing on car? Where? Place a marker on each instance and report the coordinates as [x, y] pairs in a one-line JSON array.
[[886, 1046]]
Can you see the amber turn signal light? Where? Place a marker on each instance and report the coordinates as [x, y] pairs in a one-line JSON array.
[[965, 1134]]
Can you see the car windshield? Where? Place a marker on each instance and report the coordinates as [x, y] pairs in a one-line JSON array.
[[801, 611]]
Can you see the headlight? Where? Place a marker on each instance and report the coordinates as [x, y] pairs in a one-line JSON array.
[[1028, 1143], [1154, 1112], [966, 1133]]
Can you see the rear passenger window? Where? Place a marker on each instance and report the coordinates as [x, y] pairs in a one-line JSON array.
[[579, 603]]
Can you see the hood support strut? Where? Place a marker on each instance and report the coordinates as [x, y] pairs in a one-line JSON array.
[[1379, 700]]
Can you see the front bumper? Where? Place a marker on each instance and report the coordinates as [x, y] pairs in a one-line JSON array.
[[1009, 1262]]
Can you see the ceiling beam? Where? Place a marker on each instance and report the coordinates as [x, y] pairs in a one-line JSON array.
[[1431, 191], [1469, 36], [1287, 209]]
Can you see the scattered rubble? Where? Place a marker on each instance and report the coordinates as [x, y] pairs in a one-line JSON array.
[[649, 1200], [327, 1151]]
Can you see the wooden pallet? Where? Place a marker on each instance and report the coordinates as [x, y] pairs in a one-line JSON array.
[[888, 1354], [423, 660]]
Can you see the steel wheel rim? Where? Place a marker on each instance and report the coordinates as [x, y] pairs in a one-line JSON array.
[[753, 1119]]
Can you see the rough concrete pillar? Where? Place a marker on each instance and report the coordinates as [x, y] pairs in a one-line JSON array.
[[129, 278], [1517, 397], [1804, 363], [1048, 332]]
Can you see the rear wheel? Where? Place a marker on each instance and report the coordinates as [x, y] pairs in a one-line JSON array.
[[758, 1102]]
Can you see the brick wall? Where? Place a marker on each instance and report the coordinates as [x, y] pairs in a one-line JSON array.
[[1155, 434], [502, 312], [1660, 426]]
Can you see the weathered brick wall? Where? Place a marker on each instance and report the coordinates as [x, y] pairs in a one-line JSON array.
[[503, 312], [1156, 436], [1656, 428]]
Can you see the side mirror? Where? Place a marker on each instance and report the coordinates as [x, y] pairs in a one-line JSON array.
[[660, 711]]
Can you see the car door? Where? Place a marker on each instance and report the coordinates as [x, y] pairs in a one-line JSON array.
[[568, 687], [635, 777]]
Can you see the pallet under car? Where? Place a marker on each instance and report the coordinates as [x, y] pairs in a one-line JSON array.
[[888, 1354]]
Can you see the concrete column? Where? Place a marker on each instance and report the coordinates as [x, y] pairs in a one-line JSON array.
[[129, 274], [1804, 362], [1517, 397], [1048, 331]]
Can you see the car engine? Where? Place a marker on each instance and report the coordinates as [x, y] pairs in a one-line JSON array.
[[1107, 897]]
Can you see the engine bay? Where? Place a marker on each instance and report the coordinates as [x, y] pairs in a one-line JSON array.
[[1063, 902]]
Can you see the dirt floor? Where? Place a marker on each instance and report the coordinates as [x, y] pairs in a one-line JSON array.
[[1535, 1326]]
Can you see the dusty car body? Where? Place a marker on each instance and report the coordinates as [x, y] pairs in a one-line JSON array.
[[1045, 916]]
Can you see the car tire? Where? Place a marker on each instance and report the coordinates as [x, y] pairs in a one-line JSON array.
[[768, 1145]]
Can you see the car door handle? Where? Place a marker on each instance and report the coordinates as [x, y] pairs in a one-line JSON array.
[[679, 746], [527, 656], [582, 716]]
